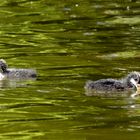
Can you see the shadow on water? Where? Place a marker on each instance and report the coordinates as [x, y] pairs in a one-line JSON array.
[[68, 42]]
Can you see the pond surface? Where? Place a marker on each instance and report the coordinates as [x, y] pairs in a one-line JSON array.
[[68, 43]]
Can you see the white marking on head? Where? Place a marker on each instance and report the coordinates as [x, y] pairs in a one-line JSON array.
[[133, 82]]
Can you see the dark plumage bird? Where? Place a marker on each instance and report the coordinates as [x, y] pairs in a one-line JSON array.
[[128, 83], [12, 73]]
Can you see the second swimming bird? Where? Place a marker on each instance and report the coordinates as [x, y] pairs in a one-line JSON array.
[[113, 85]]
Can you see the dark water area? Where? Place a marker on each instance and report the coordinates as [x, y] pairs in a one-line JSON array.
[[68, 43]]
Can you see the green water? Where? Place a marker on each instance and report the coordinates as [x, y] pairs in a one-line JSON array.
[[68, 43]]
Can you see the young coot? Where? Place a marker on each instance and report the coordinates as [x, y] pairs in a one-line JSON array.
[[13, 73], [128, 83]]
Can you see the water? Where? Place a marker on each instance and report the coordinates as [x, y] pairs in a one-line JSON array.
[[68, 43]]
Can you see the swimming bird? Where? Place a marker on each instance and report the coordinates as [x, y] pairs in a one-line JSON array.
[[13, 73], [128, 83]]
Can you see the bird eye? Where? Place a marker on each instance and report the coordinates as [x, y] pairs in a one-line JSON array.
[[136, 79]]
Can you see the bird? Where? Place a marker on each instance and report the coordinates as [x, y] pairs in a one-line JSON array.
[[13, 73], [128, 83]]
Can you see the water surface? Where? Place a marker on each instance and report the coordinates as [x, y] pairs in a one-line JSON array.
[[68, 43]]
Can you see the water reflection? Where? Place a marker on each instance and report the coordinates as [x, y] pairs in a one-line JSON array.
[[68, 43], [16, 83]]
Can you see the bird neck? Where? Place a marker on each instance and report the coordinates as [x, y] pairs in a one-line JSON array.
[[4, 69], [127, 82]]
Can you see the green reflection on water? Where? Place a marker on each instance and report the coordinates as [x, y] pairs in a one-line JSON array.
[[68, 42]]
